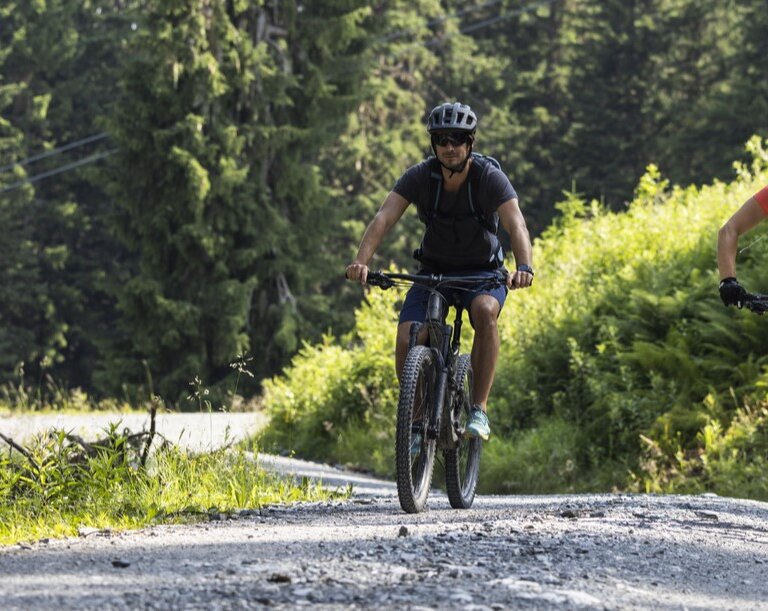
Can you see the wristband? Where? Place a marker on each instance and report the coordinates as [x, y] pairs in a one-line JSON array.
[[525, 268]]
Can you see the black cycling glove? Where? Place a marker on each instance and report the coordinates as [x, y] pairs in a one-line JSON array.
[[731, 292]]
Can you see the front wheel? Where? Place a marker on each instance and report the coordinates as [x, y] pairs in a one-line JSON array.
[[462, 463], [414, 459]]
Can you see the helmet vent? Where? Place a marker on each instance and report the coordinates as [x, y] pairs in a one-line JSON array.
[[452, 116]]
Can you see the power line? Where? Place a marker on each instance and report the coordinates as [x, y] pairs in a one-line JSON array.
[[70, 166], [470, 28], [438, 20], [56, 151], [481, 24]]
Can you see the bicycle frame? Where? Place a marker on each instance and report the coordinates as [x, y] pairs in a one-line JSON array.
[[444, 341]]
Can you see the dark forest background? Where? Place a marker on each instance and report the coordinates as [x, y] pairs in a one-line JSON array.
[[183, 181]]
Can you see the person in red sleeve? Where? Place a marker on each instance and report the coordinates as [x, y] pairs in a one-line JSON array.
[[754, 210]]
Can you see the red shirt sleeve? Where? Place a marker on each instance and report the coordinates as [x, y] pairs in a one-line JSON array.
[[762, 199]]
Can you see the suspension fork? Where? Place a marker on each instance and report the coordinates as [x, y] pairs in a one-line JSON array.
[[413, 334], [456, 340]]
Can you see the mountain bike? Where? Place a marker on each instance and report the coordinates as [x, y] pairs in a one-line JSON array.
[[436, 395], [756, 303]]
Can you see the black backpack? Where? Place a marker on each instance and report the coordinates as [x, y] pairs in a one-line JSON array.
[[428, 209], [479, 162]]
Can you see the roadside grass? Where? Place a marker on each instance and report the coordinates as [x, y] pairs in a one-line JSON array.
[[58, 485], [17, 400]]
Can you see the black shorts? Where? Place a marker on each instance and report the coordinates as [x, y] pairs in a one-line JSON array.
[[415, 306]]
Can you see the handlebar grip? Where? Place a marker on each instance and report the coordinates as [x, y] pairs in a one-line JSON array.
[[379, 279], [756, 303]]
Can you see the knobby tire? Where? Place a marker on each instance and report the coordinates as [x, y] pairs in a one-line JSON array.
[[462, 463], [417, 386]]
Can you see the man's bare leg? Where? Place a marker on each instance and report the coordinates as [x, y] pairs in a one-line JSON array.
[[401, 345], [485, 348]]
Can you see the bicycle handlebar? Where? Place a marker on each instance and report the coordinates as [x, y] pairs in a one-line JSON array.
[[756, 303], [386, 280]]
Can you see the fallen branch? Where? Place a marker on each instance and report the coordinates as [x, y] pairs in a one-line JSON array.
[[21, 450]]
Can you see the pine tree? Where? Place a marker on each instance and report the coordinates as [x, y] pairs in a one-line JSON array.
[[59, 65], [224, 109], [386, 130], [32, 331], [520, 74], [737, 103], [694, 128], [29, 334], [605, 146]]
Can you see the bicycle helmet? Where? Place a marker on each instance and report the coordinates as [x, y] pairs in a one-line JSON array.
[[453, 116]]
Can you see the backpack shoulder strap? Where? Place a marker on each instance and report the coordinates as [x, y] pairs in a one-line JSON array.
[[433, 192], [479, 163]]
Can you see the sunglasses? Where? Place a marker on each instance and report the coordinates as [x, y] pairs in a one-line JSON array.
[[454, 138]]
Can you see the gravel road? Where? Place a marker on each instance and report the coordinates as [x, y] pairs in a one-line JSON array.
[[543, 552], [528, 552], [196, 431]]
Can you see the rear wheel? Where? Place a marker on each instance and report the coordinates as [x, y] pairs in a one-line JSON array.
[[414, 462], [462, 463]]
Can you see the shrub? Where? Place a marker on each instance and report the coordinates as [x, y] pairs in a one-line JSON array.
[[621, 338]]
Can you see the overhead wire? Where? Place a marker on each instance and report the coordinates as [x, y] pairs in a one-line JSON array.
[[437, 40], [70, 166], [56, 151], [438, 20], [490, 21]]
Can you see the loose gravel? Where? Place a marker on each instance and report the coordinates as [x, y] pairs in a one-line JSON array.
[[522, 552]]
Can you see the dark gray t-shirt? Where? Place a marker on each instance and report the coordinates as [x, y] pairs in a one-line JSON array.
[[454, 238]]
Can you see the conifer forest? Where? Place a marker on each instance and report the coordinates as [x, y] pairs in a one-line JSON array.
[[182, 183]]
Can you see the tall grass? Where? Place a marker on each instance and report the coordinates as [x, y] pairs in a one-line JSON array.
[[56, 486], [59, 484]]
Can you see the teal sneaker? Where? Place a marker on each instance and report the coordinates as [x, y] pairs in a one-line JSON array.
[[478, 425], [415, 444]]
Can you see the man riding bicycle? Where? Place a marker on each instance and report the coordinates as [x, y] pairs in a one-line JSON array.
[[745, 218], [460, 198]]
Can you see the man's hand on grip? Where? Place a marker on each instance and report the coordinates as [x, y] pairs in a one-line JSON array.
[[357, 272]]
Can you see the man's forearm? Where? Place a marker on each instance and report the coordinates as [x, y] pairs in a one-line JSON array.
[[521, 247], [372, 237]]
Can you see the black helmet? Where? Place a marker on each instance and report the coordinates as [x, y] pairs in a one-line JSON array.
[[453, 116]]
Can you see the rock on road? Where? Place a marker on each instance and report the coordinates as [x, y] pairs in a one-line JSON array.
[[607, 551]]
